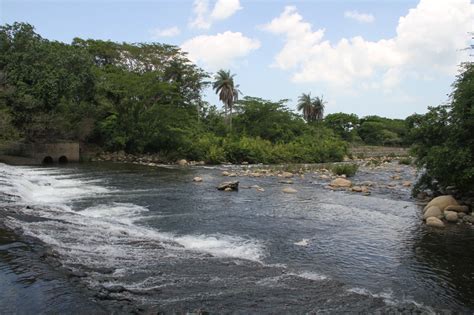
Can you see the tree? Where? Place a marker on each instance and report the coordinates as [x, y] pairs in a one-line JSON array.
[[227, 90], [444, 139], [268, 120], [318, 108], [312, 108], [343, 124], [305, 105]]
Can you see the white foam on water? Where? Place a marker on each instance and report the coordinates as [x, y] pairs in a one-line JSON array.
[[311, 276], [223, 246], [303, 242], [389, 298], [103, 233], [45, 186]]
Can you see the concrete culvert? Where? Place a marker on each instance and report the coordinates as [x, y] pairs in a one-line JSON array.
[[48, 160], [62, 160]]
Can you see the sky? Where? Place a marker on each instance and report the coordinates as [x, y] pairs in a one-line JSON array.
[[390, 58]]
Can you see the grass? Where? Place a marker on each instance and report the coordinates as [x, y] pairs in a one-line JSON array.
[[345, 169], [405, 161]]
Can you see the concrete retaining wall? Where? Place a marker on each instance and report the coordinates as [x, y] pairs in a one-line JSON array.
[[376, 151], [37, 153]]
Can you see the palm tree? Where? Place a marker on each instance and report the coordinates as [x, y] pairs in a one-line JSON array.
[[312, 108], [318, 108], [228, 92], [305, 104]]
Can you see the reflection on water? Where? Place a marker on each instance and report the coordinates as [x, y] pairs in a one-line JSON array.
[[151, 237]]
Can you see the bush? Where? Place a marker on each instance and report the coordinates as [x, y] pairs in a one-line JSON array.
[[444, 139], [345, 169], [405, 161]]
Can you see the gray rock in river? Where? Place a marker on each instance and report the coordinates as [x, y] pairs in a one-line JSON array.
[[229, 186]]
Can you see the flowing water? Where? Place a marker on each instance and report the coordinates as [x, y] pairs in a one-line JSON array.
[[101, 238]]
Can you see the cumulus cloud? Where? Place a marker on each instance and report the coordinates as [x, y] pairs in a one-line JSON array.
[[359, 17], [220, 50], [428, 39], [167, 32], [204, 18]]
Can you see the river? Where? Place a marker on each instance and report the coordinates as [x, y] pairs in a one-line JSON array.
[[109, 237]]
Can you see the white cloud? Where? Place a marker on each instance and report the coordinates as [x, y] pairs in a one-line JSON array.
[[203, 18], [200, 10], [428, 40], [167, 32], [359, 17], [225, 8], [220, 50]]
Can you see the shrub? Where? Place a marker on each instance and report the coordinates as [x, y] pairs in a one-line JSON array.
[[405, 161], [345, 169]]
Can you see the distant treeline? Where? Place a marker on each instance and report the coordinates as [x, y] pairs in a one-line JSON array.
[[148, 98]]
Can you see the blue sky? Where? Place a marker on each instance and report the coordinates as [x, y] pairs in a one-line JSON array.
[[389, 58]]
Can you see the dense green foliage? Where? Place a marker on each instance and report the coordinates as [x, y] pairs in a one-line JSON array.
[[345, 169], [444, 139], [370, 130], [142, 98]]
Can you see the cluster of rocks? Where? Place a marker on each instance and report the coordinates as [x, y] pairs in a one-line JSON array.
[[140, 159], [445, 209]]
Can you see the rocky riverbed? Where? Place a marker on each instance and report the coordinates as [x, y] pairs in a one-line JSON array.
[[122, 237]]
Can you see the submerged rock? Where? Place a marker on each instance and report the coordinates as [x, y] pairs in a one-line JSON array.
[[435, 222], [289, 190], [197, 179], [229, 186]]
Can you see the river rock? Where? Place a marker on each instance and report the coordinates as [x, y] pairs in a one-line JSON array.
[[289, 190], [442, 202], [287, 175], [324, 176], [197, 179], [182, 162], [468, 218], [289, 181], [362, 189], [225, 173], [464, 209], [233, 175], [451, 216], [341, 182], [229, 186], [435, 222], [433, 211], [406, 183]]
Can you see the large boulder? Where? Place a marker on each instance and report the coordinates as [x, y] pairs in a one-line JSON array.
[[229, 186], [341, 183], [451, 216], [182, 162], [442, 202], [435, 222], [433, 211]]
